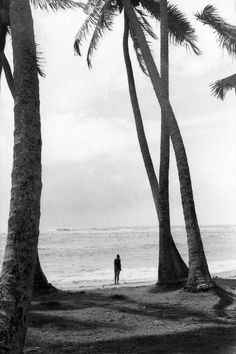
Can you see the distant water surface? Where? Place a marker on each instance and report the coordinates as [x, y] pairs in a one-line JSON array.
[[73, 258]]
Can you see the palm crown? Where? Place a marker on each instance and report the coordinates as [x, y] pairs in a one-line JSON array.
[[101, 15], [5, 28], [226, 35]]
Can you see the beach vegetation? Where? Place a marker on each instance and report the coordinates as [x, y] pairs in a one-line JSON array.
[[226, 37]]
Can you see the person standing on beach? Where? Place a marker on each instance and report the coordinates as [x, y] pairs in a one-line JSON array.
[[117, 268]]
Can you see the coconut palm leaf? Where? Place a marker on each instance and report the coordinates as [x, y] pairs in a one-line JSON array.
[[105, 22], [101, 15], [221, 87], [56, 4], [145, 24], [180, 29], [226, 33], [138, 53], [89, 24]]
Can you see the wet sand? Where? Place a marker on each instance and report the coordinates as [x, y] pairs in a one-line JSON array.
[[135, 319]]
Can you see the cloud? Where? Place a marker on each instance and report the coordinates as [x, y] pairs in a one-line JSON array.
[[93, 173]]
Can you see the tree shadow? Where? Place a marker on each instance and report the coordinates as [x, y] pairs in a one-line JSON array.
[[168, 312], [62, 301], [62, 323], [225, 300], [159, 288], [215, 339]]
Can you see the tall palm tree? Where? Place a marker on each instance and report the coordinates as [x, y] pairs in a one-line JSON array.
[[199, 276], [165, 267], [99, 18], [20, 257], [41, 283], [17, 274], [226, 34], [172, 269]]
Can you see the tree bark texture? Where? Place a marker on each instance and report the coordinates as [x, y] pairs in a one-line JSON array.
[[176, 268], [4, 22], [41, 284], [17, 275], [8, 74], [199, 276], [173, 266]]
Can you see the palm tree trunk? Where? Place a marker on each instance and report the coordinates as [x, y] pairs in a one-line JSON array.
[[199, 276], [138, 121], [4, 22], [17, 275], [177, 270], [7, 71], [41, 284], [167, 248]]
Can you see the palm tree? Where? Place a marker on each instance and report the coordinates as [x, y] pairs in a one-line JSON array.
[[41, 283], [99, 18], [20, 257], [172, 269], [17, 274], [199, 276], [165, 267], [226, 34]]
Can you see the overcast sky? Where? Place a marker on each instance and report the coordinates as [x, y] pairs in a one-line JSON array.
[[93, 174]]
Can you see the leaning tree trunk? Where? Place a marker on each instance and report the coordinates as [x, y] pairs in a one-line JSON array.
[[199, 276], [4, 22], [17, 275], [167, 248], [177, 270], [41, 284]]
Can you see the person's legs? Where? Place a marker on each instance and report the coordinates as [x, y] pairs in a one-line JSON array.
[[118, 274]]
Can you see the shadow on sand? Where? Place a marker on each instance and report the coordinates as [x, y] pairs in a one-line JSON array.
[[59, 315]]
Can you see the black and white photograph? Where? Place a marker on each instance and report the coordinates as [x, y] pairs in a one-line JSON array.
[[117, 176]]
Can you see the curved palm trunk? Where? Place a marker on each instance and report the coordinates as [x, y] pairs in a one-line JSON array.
[[23, 226], [199, 276], [41, 284], [177, 270], [8, 74], [167, 248], [4, 22]]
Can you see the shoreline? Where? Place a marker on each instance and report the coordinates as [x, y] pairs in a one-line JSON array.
[[231, 274]]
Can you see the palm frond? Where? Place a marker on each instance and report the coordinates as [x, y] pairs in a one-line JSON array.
[[221, 87], [225, 32], [145, 24], [40, 61], [180, 29], [138, 53], [56, 4], [108, 12], [88, 25]]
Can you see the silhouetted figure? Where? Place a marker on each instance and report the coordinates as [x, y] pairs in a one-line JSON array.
[[117, 268]]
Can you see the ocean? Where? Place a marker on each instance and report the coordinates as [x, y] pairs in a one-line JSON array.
[[74, 259]]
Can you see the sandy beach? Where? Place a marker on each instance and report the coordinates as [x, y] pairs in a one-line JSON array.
[[135, 319]]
